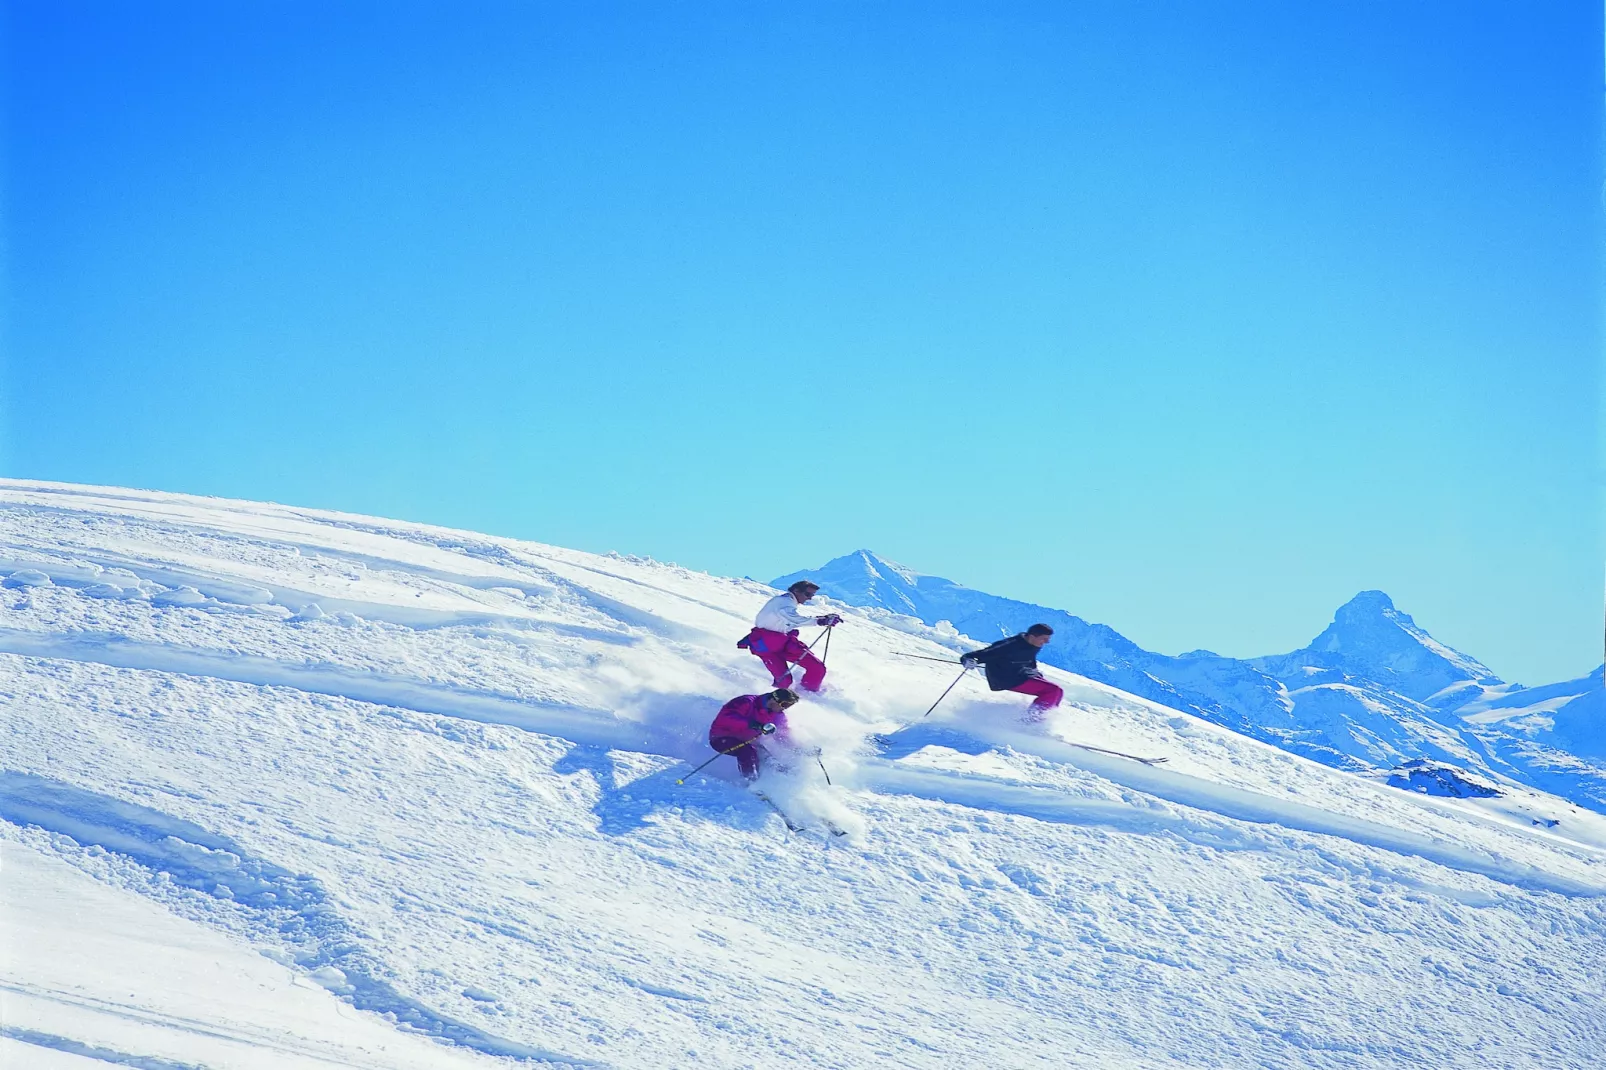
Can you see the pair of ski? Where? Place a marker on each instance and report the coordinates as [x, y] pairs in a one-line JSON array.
[[793, 826]]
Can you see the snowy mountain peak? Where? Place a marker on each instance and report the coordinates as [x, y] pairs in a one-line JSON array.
[[1368, 618], [877, 567], [864, 577], [1370, 638], [1368, 604]]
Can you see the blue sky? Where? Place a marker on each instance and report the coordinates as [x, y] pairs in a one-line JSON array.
[[1191, 319]]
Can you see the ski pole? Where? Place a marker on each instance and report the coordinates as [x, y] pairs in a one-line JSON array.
[[822, 769], [720, 754], [823, 633], [926, 657], [826, 653], [944, 695]]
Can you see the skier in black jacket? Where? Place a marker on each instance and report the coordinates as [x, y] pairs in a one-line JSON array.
[[1011, 665]]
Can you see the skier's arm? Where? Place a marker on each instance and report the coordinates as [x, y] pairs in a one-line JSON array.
[[780, 614], [794, 613], [758, 716], [772, 725], [979, 657], [828, 620], [788, 609]]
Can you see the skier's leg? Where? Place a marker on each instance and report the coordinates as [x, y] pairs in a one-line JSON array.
[[813, 668], [746, 756], [776, 664], [1047, 695], [813, 671], [772, 648]]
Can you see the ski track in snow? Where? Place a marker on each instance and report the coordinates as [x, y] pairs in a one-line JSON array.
[[90, 1051], [295, 905], [461, 762], [1201, 795]]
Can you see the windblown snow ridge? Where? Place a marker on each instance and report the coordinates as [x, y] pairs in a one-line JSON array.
[[1208, 802]]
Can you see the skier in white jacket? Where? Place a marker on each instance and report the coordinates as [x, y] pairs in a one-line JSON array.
[[774, 636]]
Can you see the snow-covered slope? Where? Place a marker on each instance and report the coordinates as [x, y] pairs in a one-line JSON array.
[[1573, 711], [1371, 692], [370, 785]]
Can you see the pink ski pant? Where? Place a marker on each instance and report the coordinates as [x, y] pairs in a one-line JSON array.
[[1048, 695], [782, 649], [747, 758]]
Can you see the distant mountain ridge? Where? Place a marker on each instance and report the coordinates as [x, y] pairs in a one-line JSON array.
[[1372, 691]]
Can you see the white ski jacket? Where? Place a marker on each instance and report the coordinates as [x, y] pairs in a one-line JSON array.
[[782, 614]]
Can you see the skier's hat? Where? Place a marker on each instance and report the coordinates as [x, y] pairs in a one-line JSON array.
[[784, 696]]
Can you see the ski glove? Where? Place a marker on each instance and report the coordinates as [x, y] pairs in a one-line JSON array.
[[969, 662], [830, 620]]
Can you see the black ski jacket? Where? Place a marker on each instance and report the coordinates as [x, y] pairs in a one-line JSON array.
[[1008, 662]]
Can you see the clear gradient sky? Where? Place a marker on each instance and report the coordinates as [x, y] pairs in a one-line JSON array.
[[1193, 319]]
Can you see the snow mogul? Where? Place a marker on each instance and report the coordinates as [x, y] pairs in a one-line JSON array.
[[1011, 665], [774, 637]]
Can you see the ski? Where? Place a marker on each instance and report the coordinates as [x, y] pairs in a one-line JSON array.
[[1121, 754], [793, 825]]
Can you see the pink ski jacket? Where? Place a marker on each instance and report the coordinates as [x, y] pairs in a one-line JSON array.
[[745, 716]]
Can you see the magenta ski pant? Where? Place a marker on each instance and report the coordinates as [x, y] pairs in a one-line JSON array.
[[747, 758], [1047, 695], [776, 651]]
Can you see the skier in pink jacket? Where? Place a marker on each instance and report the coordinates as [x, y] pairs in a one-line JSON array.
[[774, 636], [747, 718]]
